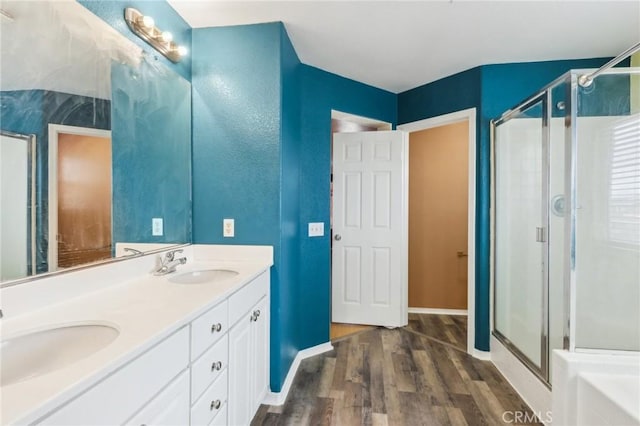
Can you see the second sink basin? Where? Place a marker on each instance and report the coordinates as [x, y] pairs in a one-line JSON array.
[[40, 352], [203, 276]]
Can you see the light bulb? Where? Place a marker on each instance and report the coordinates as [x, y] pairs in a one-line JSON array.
[[166, 36], [182, 51], [146, 21]]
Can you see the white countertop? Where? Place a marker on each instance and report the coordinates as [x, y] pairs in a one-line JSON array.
[[145, 310]]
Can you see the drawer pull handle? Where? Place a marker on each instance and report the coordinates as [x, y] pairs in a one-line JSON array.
[[215, 404], [255, 315], [216, 327], [216, 366]]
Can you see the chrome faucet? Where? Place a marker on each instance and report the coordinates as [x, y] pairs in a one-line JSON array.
[[131, 251], [169, 263]]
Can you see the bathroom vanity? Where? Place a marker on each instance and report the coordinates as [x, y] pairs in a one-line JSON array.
[[189, 347]]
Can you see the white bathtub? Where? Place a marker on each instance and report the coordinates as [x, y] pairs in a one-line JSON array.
[[595, 389]]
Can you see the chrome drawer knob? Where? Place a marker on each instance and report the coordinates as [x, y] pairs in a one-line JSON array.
[[216, 327], [254, 315], [216, 366], [215, 404]]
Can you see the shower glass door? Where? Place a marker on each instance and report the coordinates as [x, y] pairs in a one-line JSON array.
[[521, 218]]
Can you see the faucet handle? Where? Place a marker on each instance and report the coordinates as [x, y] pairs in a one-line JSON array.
[[131, 251], [171, 255]]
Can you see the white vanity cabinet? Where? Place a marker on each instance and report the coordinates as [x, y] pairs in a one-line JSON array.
[[248, 350], [118, 397], [209, 383], [212, 371]]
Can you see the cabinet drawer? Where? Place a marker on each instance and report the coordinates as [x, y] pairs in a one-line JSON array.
[[241, 301], [171, 407], [208, 328], [121, 394], [209, 366], [211, 402], [221, 418]]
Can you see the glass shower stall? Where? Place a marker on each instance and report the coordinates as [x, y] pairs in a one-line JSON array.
[[566, 219]]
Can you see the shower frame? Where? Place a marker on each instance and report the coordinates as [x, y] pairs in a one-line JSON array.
[[30, 140], [571, 79]]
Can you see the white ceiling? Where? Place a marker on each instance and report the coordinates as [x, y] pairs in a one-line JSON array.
[[398, 45]]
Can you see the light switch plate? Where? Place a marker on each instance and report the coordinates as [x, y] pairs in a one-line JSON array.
[[157, 227], [228, 228], [316, 229]]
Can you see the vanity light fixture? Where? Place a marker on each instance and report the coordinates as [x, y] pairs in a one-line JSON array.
[[145, 28]]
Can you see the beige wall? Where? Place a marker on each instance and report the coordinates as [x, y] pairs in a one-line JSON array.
[[438, 198]]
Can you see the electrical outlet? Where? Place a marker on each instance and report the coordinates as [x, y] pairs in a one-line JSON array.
[[157, 227], [316, 229], [228, 228]]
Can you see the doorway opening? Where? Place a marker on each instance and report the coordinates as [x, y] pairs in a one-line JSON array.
[[80, 196], [342, 122], [442, 158]]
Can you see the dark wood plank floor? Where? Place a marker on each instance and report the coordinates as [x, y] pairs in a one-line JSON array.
[[394, 377], [447, 328]]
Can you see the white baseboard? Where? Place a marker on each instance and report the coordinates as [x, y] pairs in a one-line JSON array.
[[534, 393], [278, 398], [438, 311], [481, 355]]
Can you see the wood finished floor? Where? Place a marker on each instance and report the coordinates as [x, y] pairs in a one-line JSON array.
[[447, 328], [338, 330], [394, 377]]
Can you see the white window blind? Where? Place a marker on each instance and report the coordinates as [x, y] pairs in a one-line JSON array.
[[624, 183]]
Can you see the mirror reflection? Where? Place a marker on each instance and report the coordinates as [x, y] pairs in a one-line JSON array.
[[95, 142]]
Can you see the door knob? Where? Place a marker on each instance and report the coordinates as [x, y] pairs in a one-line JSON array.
[[338, 237], [461, 254]]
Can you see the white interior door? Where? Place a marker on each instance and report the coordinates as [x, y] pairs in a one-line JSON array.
[[369, 252]]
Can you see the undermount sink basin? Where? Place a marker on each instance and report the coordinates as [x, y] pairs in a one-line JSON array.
[[204, 276], [40, 352]]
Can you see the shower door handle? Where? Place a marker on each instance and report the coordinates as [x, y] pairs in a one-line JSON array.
[[540, 235]]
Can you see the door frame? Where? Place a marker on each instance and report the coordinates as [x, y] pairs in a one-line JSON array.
[[468, 115], [54, 130]]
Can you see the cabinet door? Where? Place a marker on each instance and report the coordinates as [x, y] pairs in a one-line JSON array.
[[260, 353], [171, 407], [240, 381]]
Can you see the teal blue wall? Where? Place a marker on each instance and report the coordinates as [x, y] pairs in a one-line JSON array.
[[165, 17], [290, 323], [492, 89], [321, 92], [450, 94], [239, 148], [276, 124], [151, 153]]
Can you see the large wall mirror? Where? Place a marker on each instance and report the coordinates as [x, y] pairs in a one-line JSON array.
[[96, 143]]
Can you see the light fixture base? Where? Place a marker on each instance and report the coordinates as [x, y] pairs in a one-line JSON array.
[[152, 35]]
